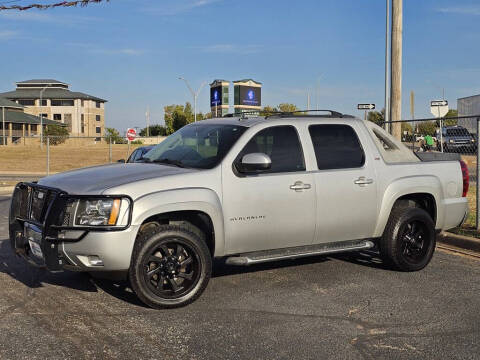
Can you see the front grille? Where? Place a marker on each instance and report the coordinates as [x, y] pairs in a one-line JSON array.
[[31, 203]]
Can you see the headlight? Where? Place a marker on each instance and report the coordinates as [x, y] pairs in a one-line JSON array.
[[97, 212], [451, 141]]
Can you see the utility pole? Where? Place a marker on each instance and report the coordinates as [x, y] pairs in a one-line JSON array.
[[147, 117], [4, 142], [396, 68], [387, 64], [412, 105]]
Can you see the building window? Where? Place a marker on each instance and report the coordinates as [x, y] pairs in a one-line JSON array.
[[44, 115], [97, 104], [33, 128], [82, 123], [67, 119], [62, 102], [57, 117], [97, 117], [27, 102], [44, 102], [98, 130], [83, 103]]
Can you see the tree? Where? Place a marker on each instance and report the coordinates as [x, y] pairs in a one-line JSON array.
[[179, 121], [57, 134], [427, 128], [407, 127], [452, 113], [177, 116], [268, 110], [285, 107], [112, 135], [154, 130], [377, 117]]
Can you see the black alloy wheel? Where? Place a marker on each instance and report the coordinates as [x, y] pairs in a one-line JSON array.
[[409, 239], [171, 265], [172, 269]]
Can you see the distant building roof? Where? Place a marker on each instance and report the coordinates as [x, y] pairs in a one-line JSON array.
[[9, 104], [18, 117], [218, 81], [49, 93], [247, 80], [466, 97], [41, 81]]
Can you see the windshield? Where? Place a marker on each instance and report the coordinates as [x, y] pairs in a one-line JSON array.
[[196, 146], [458, 132]]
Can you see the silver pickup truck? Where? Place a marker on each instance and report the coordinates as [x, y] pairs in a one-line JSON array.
[[248, 190]]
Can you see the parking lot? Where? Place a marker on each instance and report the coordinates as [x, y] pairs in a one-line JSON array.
[[337, 307]]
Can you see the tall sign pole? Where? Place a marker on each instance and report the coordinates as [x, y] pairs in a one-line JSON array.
[[387, 63], [396, 68], [4, 142]]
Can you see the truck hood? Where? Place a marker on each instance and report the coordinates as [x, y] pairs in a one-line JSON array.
[[96, 179]]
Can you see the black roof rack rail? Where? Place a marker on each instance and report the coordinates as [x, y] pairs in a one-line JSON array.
[[286, 114], [304, 113]]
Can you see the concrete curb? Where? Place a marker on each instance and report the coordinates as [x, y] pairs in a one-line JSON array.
[[459, 241]]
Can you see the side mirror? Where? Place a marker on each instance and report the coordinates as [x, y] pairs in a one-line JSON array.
[[121, 161], [255, 162]]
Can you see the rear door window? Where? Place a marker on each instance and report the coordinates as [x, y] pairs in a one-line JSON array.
[[336, 147]]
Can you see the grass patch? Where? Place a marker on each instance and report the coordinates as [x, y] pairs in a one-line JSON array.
[[33, 159]]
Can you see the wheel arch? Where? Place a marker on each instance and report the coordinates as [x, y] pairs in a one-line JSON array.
[[424, 191], [200, 207]]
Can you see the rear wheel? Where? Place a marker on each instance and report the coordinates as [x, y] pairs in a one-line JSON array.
[[409, 239], [171, 266]]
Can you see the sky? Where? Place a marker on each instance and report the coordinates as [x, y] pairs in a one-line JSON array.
[[131, 52]]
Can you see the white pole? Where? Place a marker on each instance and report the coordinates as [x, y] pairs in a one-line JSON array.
[[194, 94]]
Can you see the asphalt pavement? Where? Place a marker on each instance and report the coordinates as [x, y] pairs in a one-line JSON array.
[[343, 307]]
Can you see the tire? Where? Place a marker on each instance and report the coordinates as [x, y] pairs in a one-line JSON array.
[[409, 239], [171, 265]]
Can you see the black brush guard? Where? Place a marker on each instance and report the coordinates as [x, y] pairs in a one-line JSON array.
[[46, 218]]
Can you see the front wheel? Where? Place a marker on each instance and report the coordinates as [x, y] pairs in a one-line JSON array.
[[409, 239], [171, 266]]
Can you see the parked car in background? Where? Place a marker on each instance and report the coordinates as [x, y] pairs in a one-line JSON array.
[[456, 139], [138, 154]]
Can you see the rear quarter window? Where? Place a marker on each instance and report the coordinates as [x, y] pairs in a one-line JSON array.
[[391, 150]]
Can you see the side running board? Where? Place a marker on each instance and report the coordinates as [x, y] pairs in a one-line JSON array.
[[298, 252]]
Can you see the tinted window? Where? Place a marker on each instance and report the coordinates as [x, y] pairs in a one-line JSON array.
[[458, 132], [336, 147], [197, 145], [62, 102], [281, 143]]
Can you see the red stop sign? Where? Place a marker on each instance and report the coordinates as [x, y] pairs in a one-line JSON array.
[[131, 134]]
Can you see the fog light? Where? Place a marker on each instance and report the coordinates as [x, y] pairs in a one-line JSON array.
[[95, 260]]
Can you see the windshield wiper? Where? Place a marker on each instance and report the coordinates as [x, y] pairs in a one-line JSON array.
[[169, 162]]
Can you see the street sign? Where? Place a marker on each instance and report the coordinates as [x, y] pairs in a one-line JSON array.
[[438, 102], [439, 108], [131, 134], [366, 106]]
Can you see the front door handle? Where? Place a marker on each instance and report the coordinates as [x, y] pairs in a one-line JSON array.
[[300, 186], [362, 181]]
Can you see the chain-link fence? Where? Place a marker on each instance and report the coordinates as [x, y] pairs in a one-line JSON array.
[[29, 156], [455, 135]]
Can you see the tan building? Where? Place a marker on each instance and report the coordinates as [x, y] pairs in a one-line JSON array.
[[83, 114], [16, 126]]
